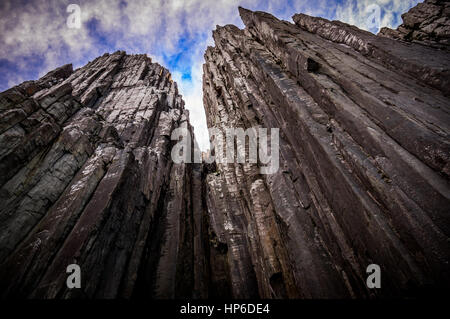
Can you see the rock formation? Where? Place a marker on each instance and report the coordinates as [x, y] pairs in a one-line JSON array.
[[427, 23], [87, 178], [364, 159], [87, 175]]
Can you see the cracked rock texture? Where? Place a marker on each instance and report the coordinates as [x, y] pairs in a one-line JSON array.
[[427, 23], [87, 178], [364, 161]]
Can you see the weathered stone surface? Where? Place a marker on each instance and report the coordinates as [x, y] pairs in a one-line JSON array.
[[427, 23], [87, 178], [87, 175], [364, 160]]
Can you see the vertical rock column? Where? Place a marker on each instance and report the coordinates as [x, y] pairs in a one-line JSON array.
[[364, 159], [87, 178]]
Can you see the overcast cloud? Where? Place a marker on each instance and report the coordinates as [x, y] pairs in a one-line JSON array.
[[35, 39]]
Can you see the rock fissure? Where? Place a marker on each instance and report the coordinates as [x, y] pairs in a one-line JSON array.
[[87, 175]]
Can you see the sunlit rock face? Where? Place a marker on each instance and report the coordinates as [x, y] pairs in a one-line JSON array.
[[88, 177], [364, 160]]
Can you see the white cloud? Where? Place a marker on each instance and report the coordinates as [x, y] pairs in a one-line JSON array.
[[355, 12], [154, 27]]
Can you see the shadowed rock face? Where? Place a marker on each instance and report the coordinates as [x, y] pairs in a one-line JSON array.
[[87, 175], [87, 178], [364, 159]]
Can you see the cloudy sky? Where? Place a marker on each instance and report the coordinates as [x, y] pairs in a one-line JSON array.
[[35, 38]]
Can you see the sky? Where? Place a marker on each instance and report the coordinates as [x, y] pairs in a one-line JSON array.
[[35, 37]]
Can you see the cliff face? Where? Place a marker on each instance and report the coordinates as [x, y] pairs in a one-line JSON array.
[[88, 178], [427, 23], [364, 159]]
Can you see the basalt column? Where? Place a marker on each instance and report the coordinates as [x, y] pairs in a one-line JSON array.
[[364, 160], [87, 179], [88, 176]]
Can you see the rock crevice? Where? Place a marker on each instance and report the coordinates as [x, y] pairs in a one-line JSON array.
[[364, 155], [87, 179], [87, 175]]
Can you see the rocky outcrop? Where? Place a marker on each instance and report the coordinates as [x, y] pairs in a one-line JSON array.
[[87, 179], [364, 160], [427, 23], [88, 174]]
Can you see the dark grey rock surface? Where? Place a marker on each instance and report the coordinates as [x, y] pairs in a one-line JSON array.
[[87, 178], [364, 172], [86, 174]]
